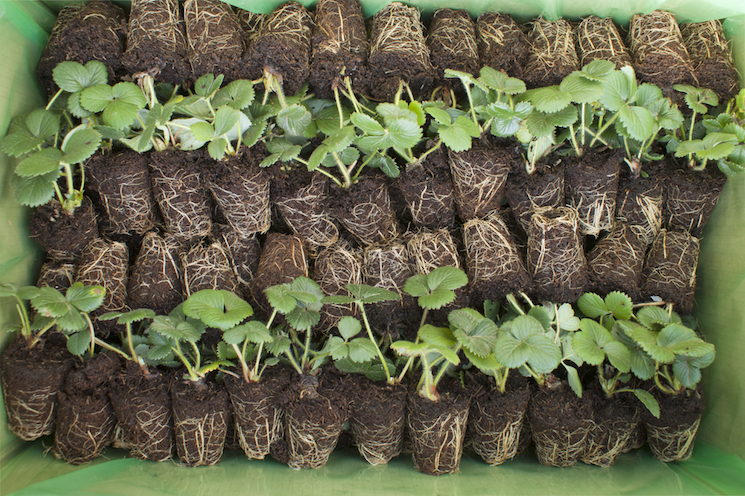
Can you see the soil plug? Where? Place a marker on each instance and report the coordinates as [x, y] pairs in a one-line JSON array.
[[451, 41], [156, 41], [337, 266], [206, 266], [428, 191], [670, 269], [553, 54], [599, 39], [283, 258], [502, 44], [711, 57], [479, 176], [155, 276], [215, 38]]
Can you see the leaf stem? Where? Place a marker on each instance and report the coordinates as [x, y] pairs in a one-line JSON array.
[[602, 129], [375, 343], [56, 95]]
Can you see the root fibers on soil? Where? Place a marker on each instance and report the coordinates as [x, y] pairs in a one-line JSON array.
[[616, 260], [591, 182], [711, 57], [207, 267], [365, 210], [250, 23], [553, 54], [282, 47], [428, 191], [243, 253], [479, 176], [337, 266], [556, 258], [670, 269], [339, 45], [398, 53], [257, 418], [671, 437], [215, 38], [155, 278], [452, 44], [690, 197], [377, 420], [502, 44], [599, 39], [282, 260], [640, 201], [495, 268], [527, 192], [57, 275], [156, 41], [63, 236], [659, 54]]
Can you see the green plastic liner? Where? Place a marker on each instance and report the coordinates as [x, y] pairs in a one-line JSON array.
[[718, 462]]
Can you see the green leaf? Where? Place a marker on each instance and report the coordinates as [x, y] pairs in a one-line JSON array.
[[619, 304], [447, 354], [485, 364], [294, 120], [597, 69], [50, 303], [592, 305], [440, 336], [648, 401], [458, 136], [251, 137], [42, 162], [438, 298], [573, 379], [688, 369], [440, 115], [647, 340], [525, 342], [446, 278], [303, 319], [174, 328], [119, 114], [340, 139], [318, 155], [203, 131], [543, 124], [257, 332], [33, 191], [208, 84], [550, 99], [581, 89], [217, 308], [655, 317], [416, 285], [618, 356], [78, 343], [75, 108], [391, 112], [499, 81], [618, 91], [226, 119], [386, 164], [85, 298], [42, 123], [361, 350], [132, 316], [337, 348], [476, 333], [327, 119], [217, 148], [281, 344], [409, 349], [404, 133], [637, 121], [96, 98], [371, 294], [79, 145], [349, 327], [566, 318], [17, 143], [589, 342], [367, 124], [237, 95], [73, 76], [698, 98], [683, 341]]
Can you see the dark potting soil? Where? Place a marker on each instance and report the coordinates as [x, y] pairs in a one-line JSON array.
[[640, 199], [122, 181], [155, 277], [690, 196], [63, 236], [201, 412], [106, 263], [85, 416], [670, 269], [479, 176], [553, 53], [613, 419], [560, 422], [397, 53], [502, 44], [377, 418], [282, 47], [428, 191], [241, 191], [451, 39], [711, 57], [301, 198], [339, 44], [57, 275], [591, 183], [181, 194], [616, 261], [243, 253], [365, 210], [214, 38], [207, 266], [283, 258], [143, 410], [315, 414], [31, 379], [438, 429], [495, 422], [156, 41], [95, 30], [599, 39], [526, 192], [335, 267]]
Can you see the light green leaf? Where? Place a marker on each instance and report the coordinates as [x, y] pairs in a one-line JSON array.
[[50, 303], [458, 136], [349, 327], [416, 285], [647, 340], [78, 343], [327, 119], [637, 121], [96, 98], [438, 298], [618, 91], [226, 119], [409, 349], [17, 143], [648, 401], [42, 123], [592, 305], [340, 139], [573, 379], [581, 89], [371, 294], [683, 341], [119, 114], [618, 356], [655, 317], [208, 84], [499, 81], [294, 120], [85, 298], [203, 131], [440, 115], [404, 133], [281, 344], [217, 308], [40, 163], [318, 155], [597, 69], [479, 337], [549, 99], [251, 137], [174, 328], [566, 318], [619, 304], [73, 76], [440, 336], [543, 124], [303, 319], [589, 342], [698, 98], [446, 278], [237, 95], [361, 350], [391, 112], [33, 191], [367, 124], [80, 144], [337, 348], [485, 364]]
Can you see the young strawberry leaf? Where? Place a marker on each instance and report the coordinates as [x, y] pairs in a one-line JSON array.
[[340, 139], [349, 327], [688, 369], [440, 336], [217, 308], [361, 350], [523, 341], [391, 112], [648, 401], [78, 343], [549, 99], [80, 144], [698, 98], [85, 298], [33, 191], [593, 343], [208, 84], [542, 124], [619, 304], [42, 162], [237, 95], [119, 103], [459, 134], [30, 132], [73, 76], [500, 82], [473, 331], [130, 317], [177, 329], [327, 119], [367, 124], [294, 120], [386, 164]]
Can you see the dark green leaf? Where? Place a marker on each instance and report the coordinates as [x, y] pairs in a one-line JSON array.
[[237, 95], [327, 119], [648, 401], [40, 163], [73, 76], [281, 344], [592, 305], [78, 343], [478, 338], [618, 356], [208, 84], [416, 285], [361, 350], [542, 316], [303, 319], [294, 120], [85, 298], [619, 304], [340, 139], [217, 308], [176, 329], [589, 342], [79, 145], [385, 164], [42, 123], [33, 191]]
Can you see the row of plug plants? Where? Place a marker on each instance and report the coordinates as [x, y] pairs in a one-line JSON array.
[[285, 390]]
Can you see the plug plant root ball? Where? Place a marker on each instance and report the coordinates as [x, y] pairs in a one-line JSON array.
[[599, 39], [670, 269], [711, 57], [335, 267], [282, 47], [553, 53], [526, 193], [428, 191], [340, 46], [616, 261], [451, 41], [398, 52], [215, 38], [156, 41], [155, 277], [502, 45]]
